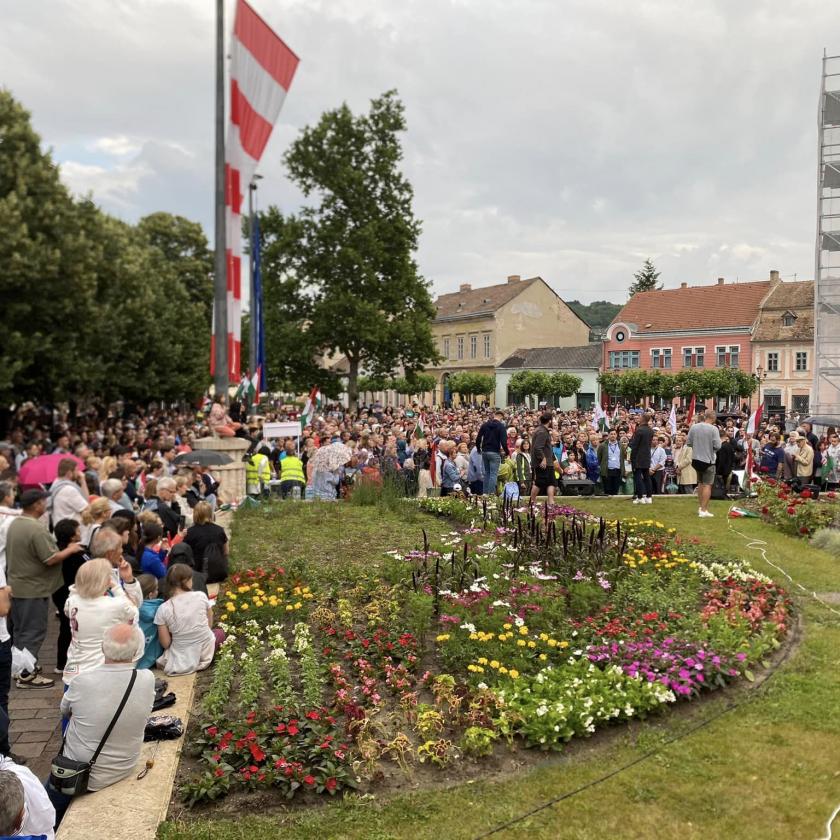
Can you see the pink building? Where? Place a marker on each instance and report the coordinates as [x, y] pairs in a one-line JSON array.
[[690, 327]]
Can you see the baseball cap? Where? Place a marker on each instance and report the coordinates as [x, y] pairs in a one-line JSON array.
[[29, 497]]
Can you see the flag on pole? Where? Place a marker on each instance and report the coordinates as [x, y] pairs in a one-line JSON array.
[[598, 418], [257, 308], [691, 408], [252, 394], [242, 389], [420, 428], [313, 403], [672, 420], [755, 420], [261, 71]]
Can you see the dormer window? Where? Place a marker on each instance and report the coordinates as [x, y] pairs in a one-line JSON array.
[[788, 319]]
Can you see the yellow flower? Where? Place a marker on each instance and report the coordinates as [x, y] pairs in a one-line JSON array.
[[443, 637], [306, 589], [482, 660], [552, 642], [473, 636], [543, 637], [244, 606], [244, 588], [523, 630], [230, 606], [257, 602], [289, 607], [232, 596], [298, 605], [532, 644], [543, 657], [494, 663], [521, 642], [563, 644], [507, 626], [513, 673], [308, 596], [503, 670]]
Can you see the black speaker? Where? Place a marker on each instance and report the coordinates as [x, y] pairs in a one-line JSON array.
[[577, 487], [719, 489]]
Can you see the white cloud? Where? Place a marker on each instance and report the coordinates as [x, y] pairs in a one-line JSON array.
[[118, 146]]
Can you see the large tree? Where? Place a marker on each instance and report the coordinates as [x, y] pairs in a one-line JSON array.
[[645, 279], [347, 282]]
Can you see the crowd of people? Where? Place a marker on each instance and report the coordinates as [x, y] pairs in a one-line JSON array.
[[121, 542]]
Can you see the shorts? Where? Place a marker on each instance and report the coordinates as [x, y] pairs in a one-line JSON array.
[[544, 477], [705, 472]]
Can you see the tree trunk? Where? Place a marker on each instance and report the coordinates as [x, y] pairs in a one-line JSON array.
[[352, 388]]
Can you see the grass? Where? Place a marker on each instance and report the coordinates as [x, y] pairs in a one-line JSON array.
[[768, 769]]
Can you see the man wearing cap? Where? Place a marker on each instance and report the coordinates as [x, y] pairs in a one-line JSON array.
[[33, 570]]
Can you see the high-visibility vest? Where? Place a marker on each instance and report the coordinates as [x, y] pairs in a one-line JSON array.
[[257, 473], [291, 469]]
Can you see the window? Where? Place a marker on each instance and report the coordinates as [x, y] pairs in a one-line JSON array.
[[788, 319], [727, 356], [624, 358], [487, 345], [800, 404], [446, 347], [694, 357], [660, 357], [772, 399], [460, 347], [473, 346], [772, 362], [802, 360]]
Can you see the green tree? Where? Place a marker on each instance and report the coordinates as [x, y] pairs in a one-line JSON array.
[[349, 279], [645, 279], [635, 384], [599, 314], [610, 382], [468, 385], [416, 384], [530, 383], [563, 384]]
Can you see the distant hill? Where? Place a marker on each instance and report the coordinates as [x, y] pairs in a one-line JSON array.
[[598, 314]]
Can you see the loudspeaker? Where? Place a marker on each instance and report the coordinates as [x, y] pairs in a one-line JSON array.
[[577, 487], [719, 489]]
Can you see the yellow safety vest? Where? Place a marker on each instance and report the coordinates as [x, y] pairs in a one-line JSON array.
[[257, 472], [291, 469]]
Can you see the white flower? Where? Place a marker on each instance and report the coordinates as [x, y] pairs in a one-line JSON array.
[[469, 627], [541, 710], [518, 621], [482, 685]]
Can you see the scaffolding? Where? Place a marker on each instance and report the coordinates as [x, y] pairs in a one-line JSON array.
[[825, 396]]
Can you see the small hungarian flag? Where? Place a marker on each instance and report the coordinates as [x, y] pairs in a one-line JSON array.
[[242, 390], [420, 428], [755, 419], [252, 393], [313, 403]]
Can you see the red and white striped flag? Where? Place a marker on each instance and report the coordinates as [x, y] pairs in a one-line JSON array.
[[261, 71]]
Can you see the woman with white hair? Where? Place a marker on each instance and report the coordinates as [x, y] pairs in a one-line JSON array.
[[95, 603]]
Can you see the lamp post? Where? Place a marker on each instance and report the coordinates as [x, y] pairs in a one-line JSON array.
[[760, 376]]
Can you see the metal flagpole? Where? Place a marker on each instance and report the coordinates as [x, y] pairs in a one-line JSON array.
[[253, 318], [220, 360]]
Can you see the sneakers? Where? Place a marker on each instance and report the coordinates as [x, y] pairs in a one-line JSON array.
[[705, 514], [638, 501], [27, 680], [648, 500]]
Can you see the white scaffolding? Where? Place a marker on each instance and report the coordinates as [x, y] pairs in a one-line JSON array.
[[825, 396]]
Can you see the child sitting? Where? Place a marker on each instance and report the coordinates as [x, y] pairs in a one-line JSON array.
[[148, 609], [153, 549], [184, 623]]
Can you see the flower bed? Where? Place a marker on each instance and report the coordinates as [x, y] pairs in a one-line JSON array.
[[795, 513], [516, 626]]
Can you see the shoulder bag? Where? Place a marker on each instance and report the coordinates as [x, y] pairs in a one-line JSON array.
[[71, 777]]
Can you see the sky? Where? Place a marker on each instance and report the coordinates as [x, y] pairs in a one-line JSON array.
[[569, 139]]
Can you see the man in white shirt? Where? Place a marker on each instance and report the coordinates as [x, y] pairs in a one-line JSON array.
[[68, 493], [658, 456], [25, 808]]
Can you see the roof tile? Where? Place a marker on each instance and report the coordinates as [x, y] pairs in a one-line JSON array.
[[486, 299]]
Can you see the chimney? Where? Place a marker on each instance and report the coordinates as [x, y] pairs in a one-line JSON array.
[[513, 278], [464, 287], [720, 281], [683, 285], [774, 277]]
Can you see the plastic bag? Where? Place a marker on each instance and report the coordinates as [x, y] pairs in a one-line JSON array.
[[22, 660], [163, 728]]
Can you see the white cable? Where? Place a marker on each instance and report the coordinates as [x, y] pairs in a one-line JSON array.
[[759, 545], [828, 824]]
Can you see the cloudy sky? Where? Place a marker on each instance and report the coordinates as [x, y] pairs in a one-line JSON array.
[[565, 138]]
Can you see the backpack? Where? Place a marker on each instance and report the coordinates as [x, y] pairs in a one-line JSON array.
[[215, 563]]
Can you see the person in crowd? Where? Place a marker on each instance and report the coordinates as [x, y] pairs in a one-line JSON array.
[[475, 472], [686, 474], [772, 457], [423, 462], [25, 808], [153, 649], [203, 534], [640, 451], [184, 625], [125, 523], [168, 507], [222, 425], [7, 516], [114, 492], [658, 458], [109, 544], [90, 702], [409, 477], [492, 444], [725, 459], [153, 551], [291, 472], [94, 604], [831, 464], [258, 473], [704, 440], [450, 477], [66, 532], [803, 458], [524, 468], [462, 460], [543, 457], [33, 570], [611, 458], [68, 493], [92, 517], [806, 430], [573, 469], [182, 553]]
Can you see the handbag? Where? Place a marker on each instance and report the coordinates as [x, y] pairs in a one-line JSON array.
[[70, 777]]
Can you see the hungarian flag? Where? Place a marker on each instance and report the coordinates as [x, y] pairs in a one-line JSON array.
[[691, 409], [313, 404], [261, 71], [599, 419], [242, 390], [672, 420], [252, 395], [420, 428], [755, 420]]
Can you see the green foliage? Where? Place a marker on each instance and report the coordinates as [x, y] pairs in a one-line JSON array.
[[645, 279], [340, 277], [469, 385], [599, 314], [417, 383], [714, 382], [564, 384]]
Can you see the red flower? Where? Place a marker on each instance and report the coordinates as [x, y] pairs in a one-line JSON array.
[[257, 752], [281, 727], [331, 784], [250, 717], [292, 730], [313, 715], [309, 780], [791, 510], [212, 731], [765, 510], [806, 493], [219, 773], [803, 530]]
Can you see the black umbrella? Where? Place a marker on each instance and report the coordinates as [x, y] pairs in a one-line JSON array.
[[824, 420], [203, 457]]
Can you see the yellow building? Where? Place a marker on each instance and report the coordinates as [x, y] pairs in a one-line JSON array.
[[783, 346], [476, 329]]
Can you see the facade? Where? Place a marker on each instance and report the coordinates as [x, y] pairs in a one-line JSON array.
[[476, 329], [583, 361], [689, 327], [783, 346]]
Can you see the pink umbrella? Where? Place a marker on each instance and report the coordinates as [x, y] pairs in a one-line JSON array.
[[44, 468]]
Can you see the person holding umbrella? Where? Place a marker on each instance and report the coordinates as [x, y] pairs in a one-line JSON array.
[[326, 470]]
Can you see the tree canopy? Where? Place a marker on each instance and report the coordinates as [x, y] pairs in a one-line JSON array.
[[340, 276], [645, 279], [714, 382], [598, 314]]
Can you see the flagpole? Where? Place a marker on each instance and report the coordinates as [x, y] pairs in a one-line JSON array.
[[220, 324], [253, 318]]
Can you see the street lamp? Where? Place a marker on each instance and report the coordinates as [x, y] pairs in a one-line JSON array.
[[760, 375]]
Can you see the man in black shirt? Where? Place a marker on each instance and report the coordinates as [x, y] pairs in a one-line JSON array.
[[491, 442], [542, 459]]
